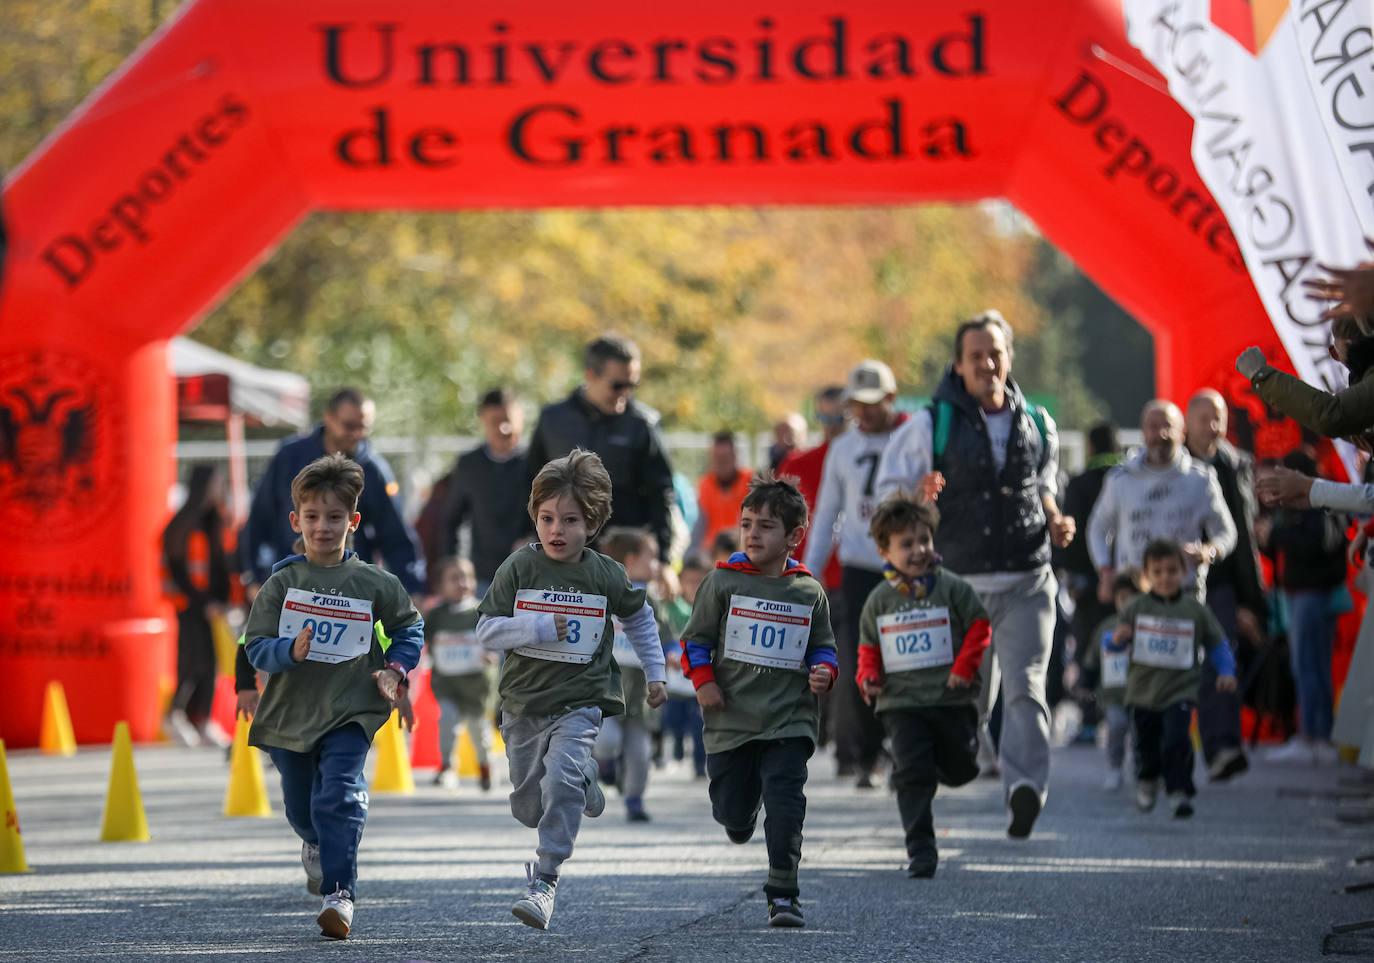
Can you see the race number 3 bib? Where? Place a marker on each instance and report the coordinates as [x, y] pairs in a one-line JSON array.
[[1115, 665], [917, 639], [621, 648], [340, 627], [457, 653], [586, 616], [763, 632], [1162, 642]]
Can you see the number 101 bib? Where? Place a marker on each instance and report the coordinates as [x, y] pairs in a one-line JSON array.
[[340, 627], [586, 615], [764, 632], [916, 639], [1165, 643]]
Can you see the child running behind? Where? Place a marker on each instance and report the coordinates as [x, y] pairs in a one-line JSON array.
[[549, 608], [463, 674], [1112, 663], [1169, 630], [922, 637], [330, 685], [758, 648]]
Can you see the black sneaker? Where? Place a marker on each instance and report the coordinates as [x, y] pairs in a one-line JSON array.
[[1025, 807], [785, 911], [923, 866], [1182, 805], [638, 815], [865, 780], [741, 836], [1227, 763]]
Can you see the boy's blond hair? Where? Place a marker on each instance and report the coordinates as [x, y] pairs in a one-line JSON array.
[[336, 473], [581, 475]]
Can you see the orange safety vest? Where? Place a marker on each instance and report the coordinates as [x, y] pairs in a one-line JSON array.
[[720, 506], [197, 566]]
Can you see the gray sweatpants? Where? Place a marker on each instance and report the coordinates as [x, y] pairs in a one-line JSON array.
[[1021, 612], [550, 760], [633, 737]]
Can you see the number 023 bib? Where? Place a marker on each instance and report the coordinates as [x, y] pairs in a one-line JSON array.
[[768, 633], [916, 639], [340, 627], [1163, 642], [586, 616]]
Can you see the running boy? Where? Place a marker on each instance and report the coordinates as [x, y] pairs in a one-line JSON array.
[[1169, 630], [550, 607], [330, 685], [463, 677], [922, 637], [1112, 663], [758, 648]]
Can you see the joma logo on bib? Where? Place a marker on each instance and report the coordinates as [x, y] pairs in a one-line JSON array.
[[561, 597], [328, 600], [763, 606]]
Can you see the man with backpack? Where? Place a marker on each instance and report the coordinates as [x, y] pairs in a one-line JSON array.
[[992, 459]]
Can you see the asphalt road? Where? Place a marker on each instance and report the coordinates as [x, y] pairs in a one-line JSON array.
[[1254, 876]]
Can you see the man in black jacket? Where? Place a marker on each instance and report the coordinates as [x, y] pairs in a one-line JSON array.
[[602, 416]]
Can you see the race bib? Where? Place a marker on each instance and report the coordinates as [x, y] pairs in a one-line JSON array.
[[763, 632], [586, 616], [1163, 642], [917, 639], [457, 653], [621, 648], [1114, 664], [340, 627]]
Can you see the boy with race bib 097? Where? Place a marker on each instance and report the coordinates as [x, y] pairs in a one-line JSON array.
[[549, 608], [758, 648], [1169, 632], [330, 684], [922, 637], [462, 673]]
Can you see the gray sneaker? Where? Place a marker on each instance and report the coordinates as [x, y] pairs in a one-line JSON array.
[[314, 875], [336, 918], [1146, 793], [536, 906], [591, 785]]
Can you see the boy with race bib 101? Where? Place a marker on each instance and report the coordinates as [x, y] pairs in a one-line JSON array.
[[758, 648], [549, 609], [922, 636], [330, 684], [1169, 631]]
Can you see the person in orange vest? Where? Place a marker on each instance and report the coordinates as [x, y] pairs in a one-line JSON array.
[[198, 579], [720, 491]]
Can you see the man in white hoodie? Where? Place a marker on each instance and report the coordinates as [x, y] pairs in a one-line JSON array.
[[1160, 492]]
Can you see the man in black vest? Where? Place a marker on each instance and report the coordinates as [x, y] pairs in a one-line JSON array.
[[994, 458]]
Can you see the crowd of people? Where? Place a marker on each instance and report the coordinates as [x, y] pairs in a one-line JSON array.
[[919, 589]]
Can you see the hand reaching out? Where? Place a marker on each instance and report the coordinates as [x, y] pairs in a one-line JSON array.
[[709, 696], [1351, 288]]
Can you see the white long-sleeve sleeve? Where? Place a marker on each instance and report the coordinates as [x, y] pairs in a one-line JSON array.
[[642, 631], [500, 633], [1102, 526], [908, 456], [1341, 497], [829, 502]]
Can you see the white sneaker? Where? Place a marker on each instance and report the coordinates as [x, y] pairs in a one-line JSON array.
[[180, 729], [536, 906], [1295, 750], [1325, 754], [1112, 781], [1146, 792], [314, 875], [336, 918]]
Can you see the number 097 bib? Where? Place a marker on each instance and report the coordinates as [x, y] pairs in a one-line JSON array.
[[586, 615], [340, 627], [915, 639], [1163, 642], [768, 633]]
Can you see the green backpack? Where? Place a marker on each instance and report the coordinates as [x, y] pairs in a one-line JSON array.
[[941, 413]]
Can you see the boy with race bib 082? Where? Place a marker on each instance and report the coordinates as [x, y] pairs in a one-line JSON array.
[[1169, 632], [462, 674], [758, 648], [330, 684], [922, 637], [549, 608]]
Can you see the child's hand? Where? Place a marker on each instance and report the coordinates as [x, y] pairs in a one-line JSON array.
[[820, 678], [1226, 683], [658, 694], [247, 703], [709, 696], [560, 624], [870, 690], [1121, 635], [407, 714], [301, 647], [388, 683], [957, 682]]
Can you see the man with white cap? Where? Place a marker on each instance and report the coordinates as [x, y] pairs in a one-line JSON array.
[[993, 456], [844, 505]]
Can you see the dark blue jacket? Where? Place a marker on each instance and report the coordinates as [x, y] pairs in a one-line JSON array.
[[267, 536]]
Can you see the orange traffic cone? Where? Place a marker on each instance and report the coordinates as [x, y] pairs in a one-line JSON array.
[[55, 730], [11, 843], [392, 774], [246, 794], [124, 820]]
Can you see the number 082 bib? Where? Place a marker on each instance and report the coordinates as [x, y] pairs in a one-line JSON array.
[[1163, 642], [767, 633], [340, 627], [586, 615], [915, 639]]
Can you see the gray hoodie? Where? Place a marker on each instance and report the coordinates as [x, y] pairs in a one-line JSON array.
[[1139, 503]]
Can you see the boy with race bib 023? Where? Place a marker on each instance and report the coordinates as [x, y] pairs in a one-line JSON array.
[[549, 608], [922, 637], [462, 673], [330, 685], [758, 648], [1169, 632]]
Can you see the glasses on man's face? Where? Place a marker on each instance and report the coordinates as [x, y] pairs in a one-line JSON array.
[[619, 386]]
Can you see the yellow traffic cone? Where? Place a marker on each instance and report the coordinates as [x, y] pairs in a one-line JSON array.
[[498, 745], [11, 843], [467, 756], [246, 794], [124, 820], [55, 730], [392, 774]]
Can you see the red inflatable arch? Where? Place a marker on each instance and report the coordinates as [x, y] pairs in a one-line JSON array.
[[235, 120]]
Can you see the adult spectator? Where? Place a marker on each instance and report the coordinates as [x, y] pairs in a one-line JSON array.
[[1346, 413], [788, 435], [844, 506], [384, 534], [602, 416], [489, 488], [720, 492], [994, 457], [1235, 587]]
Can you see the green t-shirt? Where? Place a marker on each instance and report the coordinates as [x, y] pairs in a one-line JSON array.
[[312, 698], [923, 684], [732, 613], [461, 670], [532, 686], [1167, 649]]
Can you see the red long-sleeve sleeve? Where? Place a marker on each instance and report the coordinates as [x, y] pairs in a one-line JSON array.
[[976, 642], [870, 666]]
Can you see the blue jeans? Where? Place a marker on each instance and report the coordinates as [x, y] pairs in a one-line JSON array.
[[682, 718], [1311, 630], [325, 798]]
